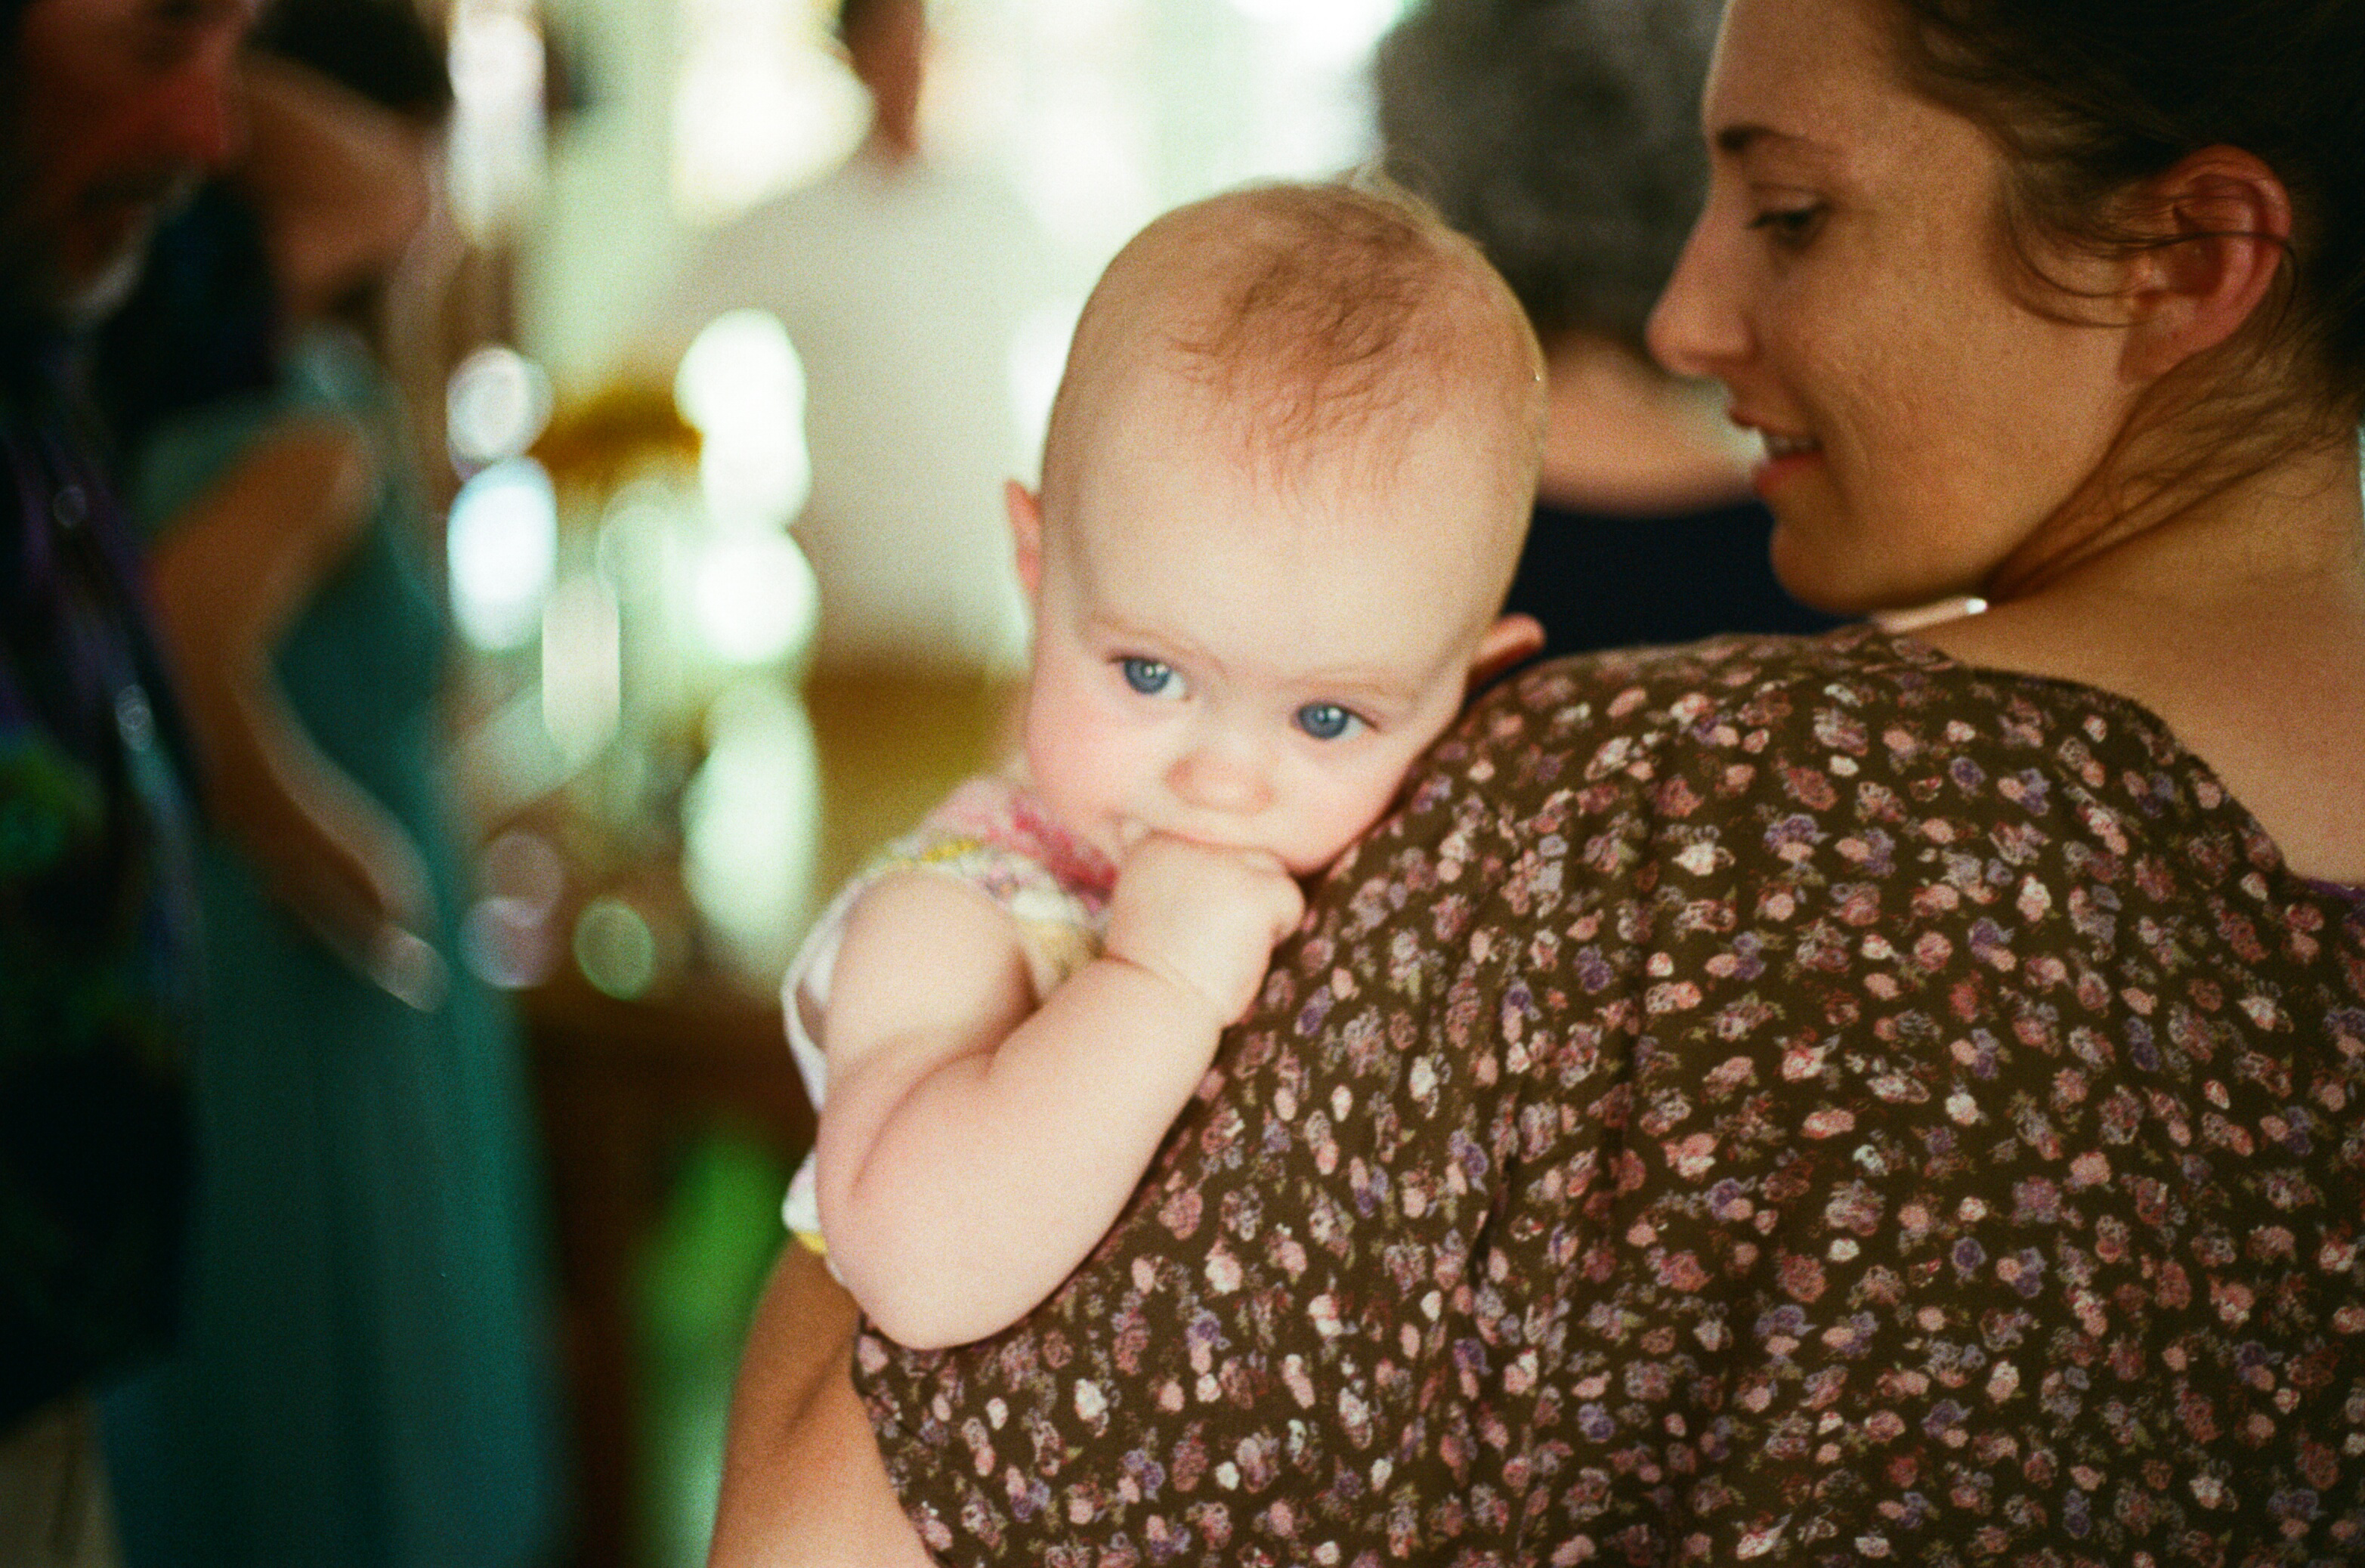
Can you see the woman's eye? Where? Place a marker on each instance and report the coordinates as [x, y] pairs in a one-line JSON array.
[[1151, 678], [1792, 225], [1327, 721]]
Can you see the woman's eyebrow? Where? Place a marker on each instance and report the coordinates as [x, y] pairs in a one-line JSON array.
[[1748, 141], [1735, 139]]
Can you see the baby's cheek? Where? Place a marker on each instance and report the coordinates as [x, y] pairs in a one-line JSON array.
[[1063, 774], [1052, 757], [1087, 771], [1340, 820]]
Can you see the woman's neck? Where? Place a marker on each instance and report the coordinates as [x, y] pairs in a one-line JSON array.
[[2248, 554], [2240, 621], [1625, 438]]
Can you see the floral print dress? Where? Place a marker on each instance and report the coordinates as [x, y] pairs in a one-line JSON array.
[[1784, 1102]]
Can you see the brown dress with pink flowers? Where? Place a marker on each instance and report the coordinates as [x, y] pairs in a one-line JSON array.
[[1794, 1102]]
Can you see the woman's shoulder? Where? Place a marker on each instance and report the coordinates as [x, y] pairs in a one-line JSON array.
[[1853, 700], [330, 370], [1631, 711], [1857, 665], [1834, 757], [320, 383], [187, 452]]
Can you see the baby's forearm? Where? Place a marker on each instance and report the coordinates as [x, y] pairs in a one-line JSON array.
[[1053, 1130]]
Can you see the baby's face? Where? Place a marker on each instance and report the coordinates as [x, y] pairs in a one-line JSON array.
[[1248, 669]]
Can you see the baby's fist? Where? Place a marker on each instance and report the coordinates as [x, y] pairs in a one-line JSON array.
[[1204, 918]]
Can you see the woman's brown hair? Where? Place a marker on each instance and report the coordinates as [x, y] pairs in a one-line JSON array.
[[2089, 98]]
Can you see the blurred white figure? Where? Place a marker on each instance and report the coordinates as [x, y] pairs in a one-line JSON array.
[[903, 282]]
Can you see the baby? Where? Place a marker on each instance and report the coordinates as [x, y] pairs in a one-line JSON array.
[[1287, 476]]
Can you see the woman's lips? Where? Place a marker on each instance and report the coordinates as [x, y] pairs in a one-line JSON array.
[[1785, 457]]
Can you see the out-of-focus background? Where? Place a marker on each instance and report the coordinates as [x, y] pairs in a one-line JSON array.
[[726, 351]]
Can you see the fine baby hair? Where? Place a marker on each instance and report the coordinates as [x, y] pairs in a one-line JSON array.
[[1307, 315]]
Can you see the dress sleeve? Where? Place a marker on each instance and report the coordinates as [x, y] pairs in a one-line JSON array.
[[1793, 1103]]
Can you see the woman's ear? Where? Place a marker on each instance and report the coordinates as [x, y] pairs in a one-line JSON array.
[[1512, 640], [2224, 223], [1026, 508]]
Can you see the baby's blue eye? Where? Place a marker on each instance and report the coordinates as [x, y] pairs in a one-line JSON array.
[[1325, 721], [1151, 678]]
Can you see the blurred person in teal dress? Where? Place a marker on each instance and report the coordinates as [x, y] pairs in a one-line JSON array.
[[364, 1371]]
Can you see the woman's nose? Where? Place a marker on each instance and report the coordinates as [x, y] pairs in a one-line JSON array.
[[1221, 774], [1698, 327]]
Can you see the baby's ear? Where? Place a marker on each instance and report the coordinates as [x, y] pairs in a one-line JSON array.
[[1026, 508], [1512, 640]]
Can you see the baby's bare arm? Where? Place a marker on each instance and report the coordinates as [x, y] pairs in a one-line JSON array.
[[972, 1154]]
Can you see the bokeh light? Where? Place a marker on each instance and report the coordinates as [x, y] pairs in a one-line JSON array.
[[524, 868], [503, 550], [755, 599], [582, 666], [750, 827], [615, 949], [741, 385], [638, 533], [494, 146], [506, 936], [506, 945], [496, 403]]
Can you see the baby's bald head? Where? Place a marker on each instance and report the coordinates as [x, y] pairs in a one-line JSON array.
[[1308, 329]]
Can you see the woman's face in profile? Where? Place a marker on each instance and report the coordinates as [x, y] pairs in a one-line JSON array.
[[1850, 282]]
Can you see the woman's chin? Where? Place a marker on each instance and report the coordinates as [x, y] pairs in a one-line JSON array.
[[1826, 565], [1816, 568]]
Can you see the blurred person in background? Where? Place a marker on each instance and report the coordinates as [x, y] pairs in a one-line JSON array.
[[904, 278], [363, 1373], [107, 107], [1563, 136]]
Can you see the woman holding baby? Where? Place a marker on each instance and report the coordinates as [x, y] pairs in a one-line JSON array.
[[1866, 1098]]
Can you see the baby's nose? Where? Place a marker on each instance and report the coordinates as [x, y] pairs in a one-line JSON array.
[[1217, 776]]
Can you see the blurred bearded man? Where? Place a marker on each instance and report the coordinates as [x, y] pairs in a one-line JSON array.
[[108, 109]]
